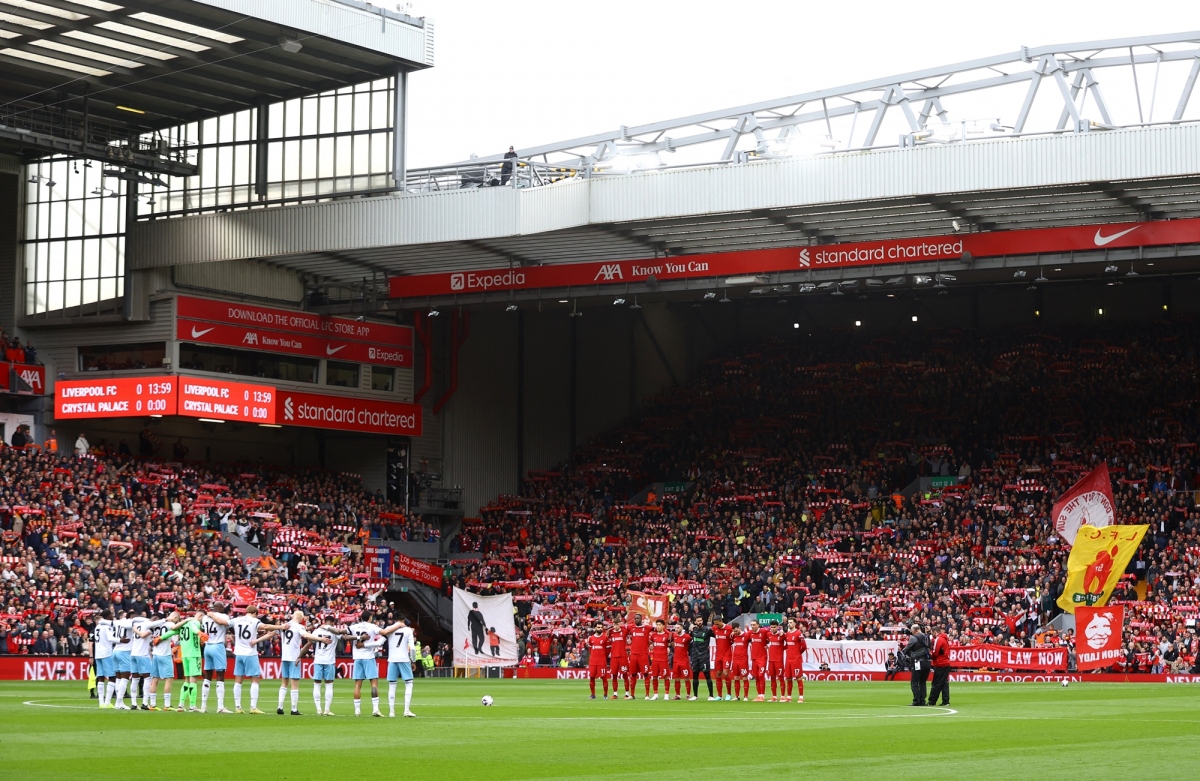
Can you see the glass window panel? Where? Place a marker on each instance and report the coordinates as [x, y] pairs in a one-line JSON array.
[[90, 258], [291, 122], [242, 124], [345, 113], [74, 267], [89, 291], [91, 215], [381, 152], [291, 161], [328, 116], [380, 111], [74, 218], [57, 260], [72, 290], [275, 120], [224, 166], [326, 158], [108, 289], [275, 162], [241, 169], [308, 117], [344, 375], [308, 159], [383, 379], [362, 155], [58, 220], [54, 296]]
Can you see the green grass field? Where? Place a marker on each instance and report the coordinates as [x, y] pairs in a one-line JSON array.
[[549, 729]]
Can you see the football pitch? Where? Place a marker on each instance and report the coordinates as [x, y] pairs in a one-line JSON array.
[[550, 730]]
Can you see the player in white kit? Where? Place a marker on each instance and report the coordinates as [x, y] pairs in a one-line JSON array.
[[215, 625], [162, 666], [366, 642], [324, 667], [123, 628], [401, 653], [245, 653], [292, 638], [103, 639], [141, 664]]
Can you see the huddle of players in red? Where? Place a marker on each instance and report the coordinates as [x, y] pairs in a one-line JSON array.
[[626, 652]]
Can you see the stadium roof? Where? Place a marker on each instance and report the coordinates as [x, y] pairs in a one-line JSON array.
[[145, 65], [1067, 154]]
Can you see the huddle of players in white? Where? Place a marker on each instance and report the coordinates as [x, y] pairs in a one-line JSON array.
[[135, 651]]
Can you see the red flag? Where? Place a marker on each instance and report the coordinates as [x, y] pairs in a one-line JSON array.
[[241, 595], [1089, 502], [1098, 633]]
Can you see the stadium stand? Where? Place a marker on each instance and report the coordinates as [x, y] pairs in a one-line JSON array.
[[792, 485], [856, 484]]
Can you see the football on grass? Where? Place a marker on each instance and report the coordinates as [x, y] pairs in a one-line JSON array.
[[487, 699]]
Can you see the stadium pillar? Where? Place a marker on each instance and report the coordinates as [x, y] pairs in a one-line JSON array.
[[574, 389], [399, 129], [262, 148], [131, 212], [520, 396]]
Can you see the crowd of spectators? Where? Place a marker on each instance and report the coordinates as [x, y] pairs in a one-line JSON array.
[[94, 529], [789, 481]]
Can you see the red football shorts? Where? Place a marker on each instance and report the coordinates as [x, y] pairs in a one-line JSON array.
[[775, 669], [597, 671], [639, 665], [658, 669], [681, 671], [743, 669], [758, 666], [619, 667], [722, 664]]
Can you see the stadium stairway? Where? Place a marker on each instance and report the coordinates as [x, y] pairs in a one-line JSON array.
[[245, 549], [434, 613]]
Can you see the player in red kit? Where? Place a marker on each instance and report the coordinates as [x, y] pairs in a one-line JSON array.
[[597, 646], [775, 642], [739, 643], [660, 650], [757, 637], [639, 652], [618, 665], [681, 669], [794, 646], [722, 658]]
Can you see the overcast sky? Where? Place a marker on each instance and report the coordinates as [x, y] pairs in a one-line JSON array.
[[528, 72]]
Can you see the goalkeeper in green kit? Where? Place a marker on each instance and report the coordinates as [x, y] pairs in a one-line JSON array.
[[190, 648]]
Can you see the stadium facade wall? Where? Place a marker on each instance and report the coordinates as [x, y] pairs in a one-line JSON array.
[[241, 278]]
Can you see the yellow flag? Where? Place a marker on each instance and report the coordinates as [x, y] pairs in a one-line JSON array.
[[1097, 562]]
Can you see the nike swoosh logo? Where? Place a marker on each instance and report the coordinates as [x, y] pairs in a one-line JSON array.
[[1102, 240], [197, 334], [333, 350]]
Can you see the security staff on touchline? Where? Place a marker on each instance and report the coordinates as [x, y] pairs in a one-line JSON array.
[[918, 651], [940, 659]]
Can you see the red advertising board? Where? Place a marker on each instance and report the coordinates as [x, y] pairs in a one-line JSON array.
[[415, 569], [223, 400], [1007, 658], [251, 337], [320, 410], [873, 253], [291, 321], [126, 397], [30, 379], [581, 674]]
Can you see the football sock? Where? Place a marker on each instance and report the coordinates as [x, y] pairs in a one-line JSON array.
[[392, 689], [204, 688], [167, 700], [375, 704], [392, 695], [254, 695], [357, 706], [102, 691], [133, 691], [407, 695], [328, 696], [153, 699], [296, 699], [317, 696], [122, 684], [220, 695], [237, 695], [282, 695]]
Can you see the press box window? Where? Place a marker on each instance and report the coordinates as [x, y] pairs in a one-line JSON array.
[[246, 363], [122, 357], [344, 375], [383, 379]]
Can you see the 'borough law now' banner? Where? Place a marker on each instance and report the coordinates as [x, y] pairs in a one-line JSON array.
[[848, 655], [1003, 657]]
